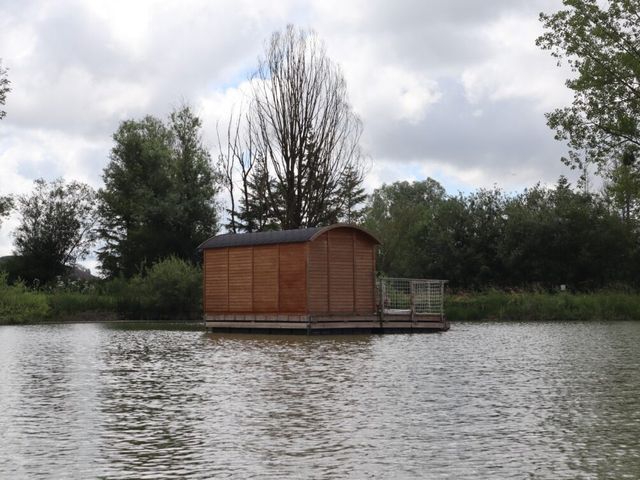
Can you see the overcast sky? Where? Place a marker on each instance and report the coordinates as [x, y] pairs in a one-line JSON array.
[[452, 89]]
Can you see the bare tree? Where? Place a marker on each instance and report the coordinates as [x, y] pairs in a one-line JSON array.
[[300, 134]]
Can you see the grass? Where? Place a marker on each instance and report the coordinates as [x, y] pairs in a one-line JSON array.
[[20, 305], [497, 305]]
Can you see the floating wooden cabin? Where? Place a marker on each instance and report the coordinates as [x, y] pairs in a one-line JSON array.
[[308, 280]]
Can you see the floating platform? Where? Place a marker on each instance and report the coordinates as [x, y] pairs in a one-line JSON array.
[[310, 324]]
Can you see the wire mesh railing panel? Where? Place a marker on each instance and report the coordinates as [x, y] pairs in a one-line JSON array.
[[395, 294], [411, 296]]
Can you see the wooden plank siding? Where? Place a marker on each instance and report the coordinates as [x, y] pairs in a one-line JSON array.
[[241, 279], [265, 278], [341, 281], [216, 287], [292, 284], [319, 275], [364, 257]]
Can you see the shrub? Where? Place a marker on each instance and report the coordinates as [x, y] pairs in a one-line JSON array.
[[171, 288], [19, 305]]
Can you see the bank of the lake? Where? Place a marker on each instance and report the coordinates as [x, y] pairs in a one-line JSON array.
[[526, 306], [19, 305]]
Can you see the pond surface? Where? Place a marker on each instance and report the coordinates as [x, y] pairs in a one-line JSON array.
[[484, 400]]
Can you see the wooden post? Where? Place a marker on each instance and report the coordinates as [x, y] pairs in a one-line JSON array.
[[442, 301], [381, 295]]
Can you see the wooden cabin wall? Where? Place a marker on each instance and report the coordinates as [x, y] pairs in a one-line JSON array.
[[215, 279], [265, 278], [341, 278], [319, 275], [341, 273], [256, 279], [365, 269], [293, 278]]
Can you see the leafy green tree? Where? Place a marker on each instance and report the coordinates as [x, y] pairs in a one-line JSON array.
[[560, 236], [4, 88], [57, 228], [397, 213], [351, 196], [159, 193], [623, 187], [600, 42]]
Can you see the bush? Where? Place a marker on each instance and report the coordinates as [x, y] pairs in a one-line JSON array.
[[19, 305], [171, 288]]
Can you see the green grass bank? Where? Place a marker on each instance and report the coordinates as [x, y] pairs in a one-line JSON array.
[[497, 305]]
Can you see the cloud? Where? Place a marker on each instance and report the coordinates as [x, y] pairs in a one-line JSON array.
[[456, 90]]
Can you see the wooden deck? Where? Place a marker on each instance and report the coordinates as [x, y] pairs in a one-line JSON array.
[[309, 324]]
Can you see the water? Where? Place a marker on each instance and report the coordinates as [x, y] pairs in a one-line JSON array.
[[484, 400]]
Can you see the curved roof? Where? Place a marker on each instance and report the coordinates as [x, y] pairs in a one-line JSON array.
[[276, 236]]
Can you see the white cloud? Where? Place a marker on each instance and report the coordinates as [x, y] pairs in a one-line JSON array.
[[455, 90], [515, 67]]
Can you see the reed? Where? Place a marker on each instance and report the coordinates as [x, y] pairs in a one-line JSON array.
[[527, 306]]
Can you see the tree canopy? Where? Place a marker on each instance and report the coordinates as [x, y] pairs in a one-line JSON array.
[[57, 227], [159, 193], [6, 204], [541, 237], [298, 140], [600, 41]]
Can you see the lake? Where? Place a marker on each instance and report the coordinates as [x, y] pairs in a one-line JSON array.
[[483, 400]]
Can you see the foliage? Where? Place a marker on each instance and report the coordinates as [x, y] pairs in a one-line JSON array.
[[623, 188], [532, 306], [19, 305], [57, 227], [543, 236], [6, 204], [351, 195], [600, 44], [4, 88], [171, 288], [295, 152], [159, 193]]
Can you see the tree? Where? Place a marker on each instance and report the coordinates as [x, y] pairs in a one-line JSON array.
[[6, 204], [159, 193], [398, 213], [351, 196], [4, 88], [602, 47], [300, 129], [623, 188], [57, 228]]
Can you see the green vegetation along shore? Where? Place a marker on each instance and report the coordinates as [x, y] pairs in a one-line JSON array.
[[172, 291], [499, 305]]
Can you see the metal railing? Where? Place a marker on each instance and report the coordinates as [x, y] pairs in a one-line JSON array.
[[402, 296]]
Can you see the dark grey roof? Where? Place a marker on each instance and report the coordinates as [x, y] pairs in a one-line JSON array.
[[260, 238], [272, 237]]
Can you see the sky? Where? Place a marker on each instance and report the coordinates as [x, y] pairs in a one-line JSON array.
[[455, 90]]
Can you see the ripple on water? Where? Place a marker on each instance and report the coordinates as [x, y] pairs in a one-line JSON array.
[[484, 400]]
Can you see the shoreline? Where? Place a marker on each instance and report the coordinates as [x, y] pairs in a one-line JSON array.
[[478, 306]]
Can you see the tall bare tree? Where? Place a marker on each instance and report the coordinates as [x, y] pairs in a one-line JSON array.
[[300, 135]]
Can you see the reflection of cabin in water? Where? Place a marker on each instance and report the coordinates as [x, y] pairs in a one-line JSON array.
[[308, 280]]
